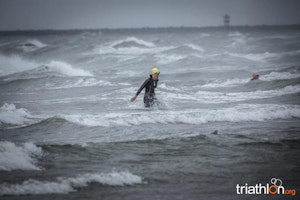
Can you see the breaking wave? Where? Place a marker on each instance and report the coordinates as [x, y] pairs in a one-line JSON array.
[[240, 113], [64, 185], [19, 157], [10, 116], [67, 69], [23, 47], [129, 46], [54, 68], [31, 45], [13, 64], [132, 42]]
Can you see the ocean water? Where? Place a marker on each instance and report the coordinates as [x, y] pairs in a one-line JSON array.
[[69, 131]]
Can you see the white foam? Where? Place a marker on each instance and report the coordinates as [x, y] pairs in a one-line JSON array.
[[225, 83], [248, 112], [9, 114], [279, 76], [255, 112], [13, 64], [124, 52], [261, 57], [237, 42], [166, 59], [220, 97], [253, 57], [67, 69], [32, 45], [210, 97], [218, 83], [192, 50], [37, 43], [235, 34], [65, 185], [134, 40], [169, 88], [82, 82], [196, 47], [21, 157], [237, 39]]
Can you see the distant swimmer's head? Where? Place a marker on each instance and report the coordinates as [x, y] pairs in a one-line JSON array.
[[255, 75]]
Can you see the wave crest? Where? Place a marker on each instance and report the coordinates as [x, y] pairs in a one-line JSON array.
[[65, 185], [32, 45], [125, 48], [239, 113], [12, 116], [14, 64], [132, 42], [13, 157], [54, 68], [67, 69]]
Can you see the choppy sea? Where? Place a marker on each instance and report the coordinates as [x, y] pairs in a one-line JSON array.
[[69, 131]]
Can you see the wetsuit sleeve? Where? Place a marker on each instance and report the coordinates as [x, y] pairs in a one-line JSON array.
[[142, 86]]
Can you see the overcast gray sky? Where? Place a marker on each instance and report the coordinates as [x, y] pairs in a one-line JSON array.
[[77, 14]]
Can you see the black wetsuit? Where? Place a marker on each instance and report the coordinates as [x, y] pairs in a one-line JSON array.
[[149, 97]]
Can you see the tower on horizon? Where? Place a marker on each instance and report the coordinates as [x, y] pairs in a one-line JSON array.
[[226, 20]]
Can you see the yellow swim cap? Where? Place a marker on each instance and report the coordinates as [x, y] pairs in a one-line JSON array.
[[154, 71]]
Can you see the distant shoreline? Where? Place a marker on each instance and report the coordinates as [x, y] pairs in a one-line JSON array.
[[146, 29]]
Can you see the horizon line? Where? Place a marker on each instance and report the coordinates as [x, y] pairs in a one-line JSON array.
[[142, 28]]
